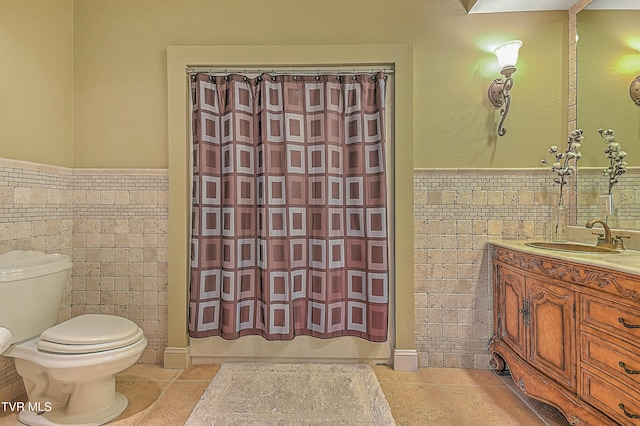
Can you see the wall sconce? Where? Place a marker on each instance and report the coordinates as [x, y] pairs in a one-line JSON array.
[[634, 90], [499, 96]]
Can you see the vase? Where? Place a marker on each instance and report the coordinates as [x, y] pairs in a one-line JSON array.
[[608, 211], [612, 219], [559, 222]]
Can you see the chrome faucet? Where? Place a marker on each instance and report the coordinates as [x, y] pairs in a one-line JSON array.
[[607, 232]]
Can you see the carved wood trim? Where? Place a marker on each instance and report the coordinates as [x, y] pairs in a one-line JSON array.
[[576, 411], [613, 282], [583, 282]]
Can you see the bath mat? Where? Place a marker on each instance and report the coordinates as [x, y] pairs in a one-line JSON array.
[[292, 394]]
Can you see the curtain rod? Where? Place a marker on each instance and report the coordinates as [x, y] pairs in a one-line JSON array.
[[359, 69]]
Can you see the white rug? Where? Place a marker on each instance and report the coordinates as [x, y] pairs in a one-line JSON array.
[[292, 394]]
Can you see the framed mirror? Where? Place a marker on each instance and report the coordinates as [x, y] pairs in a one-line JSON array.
[[607, 62]]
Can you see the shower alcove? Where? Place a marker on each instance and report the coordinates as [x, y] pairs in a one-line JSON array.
[[400, 346]]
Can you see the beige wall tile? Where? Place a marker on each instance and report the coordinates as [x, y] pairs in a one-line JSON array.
[[454, 222]]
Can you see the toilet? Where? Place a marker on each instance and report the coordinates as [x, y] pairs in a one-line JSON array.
[[68, 368]]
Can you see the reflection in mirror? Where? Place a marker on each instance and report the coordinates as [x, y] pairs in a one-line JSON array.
[[608, 60]]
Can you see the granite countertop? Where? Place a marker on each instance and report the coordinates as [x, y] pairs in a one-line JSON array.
[[626, 261]]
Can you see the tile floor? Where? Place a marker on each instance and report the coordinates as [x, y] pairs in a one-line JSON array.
[[430, 396]]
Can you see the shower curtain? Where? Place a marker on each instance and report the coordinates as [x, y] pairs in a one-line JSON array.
[[289, 215]]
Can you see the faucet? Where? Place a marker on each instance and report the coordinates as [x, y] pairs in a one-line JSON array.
[[607, 241]]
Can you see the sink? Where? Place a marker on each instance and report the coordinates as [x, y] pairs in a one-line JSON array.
[[570, 247]]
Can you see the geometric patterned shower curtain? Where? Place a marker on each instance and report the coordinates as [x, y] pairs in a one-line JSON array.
[[289, 215]]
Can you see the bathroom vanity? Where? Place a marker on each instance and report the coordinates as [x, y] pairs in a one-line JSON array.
[[567, 329]]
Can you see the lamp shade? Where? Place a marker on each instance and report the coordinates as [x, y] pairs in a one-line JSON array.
[[507, 53]]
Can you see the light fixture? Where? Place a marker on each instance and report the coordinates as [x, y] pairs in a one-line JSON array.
[[499, 96], [634, 90]]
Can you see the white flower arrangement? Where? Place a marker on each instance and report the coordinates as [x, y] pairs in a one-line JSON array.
[[566, 162], [617, 165]]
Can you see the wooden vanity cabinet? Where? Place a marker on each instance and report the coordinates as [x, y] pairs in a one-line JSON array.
[[569, 335], [537, 321]]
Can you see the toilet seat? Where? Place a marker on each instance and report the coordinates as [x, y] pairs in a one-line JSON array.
[[89, 333]]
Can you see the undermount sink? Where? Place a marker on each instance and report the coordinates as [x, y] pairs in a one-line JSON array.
[[571, 247]]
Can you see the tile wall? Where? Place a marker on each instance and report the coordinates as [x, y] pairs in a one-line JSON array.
[[626, 197], [120, 251], [456, 213], [36, 213], [114, 225], [112, 222]]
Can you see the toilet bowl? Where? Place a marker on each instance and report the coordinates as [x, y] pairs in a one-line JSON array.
[[69, 368]]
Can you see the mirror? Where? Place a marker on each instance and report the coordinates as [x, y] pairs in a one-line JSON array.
[[608, 60]]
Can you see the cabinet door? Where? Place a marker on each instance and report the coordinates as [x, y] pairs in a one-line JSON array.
[[552, 330], [510, 310]]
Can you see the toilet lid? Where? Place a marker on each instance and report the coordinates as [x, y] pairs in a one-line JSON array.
[[89, 333]]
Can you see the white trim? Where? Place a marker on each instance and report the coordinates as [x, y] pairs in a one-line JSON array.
[[405, 359], [179, 58], [177, 357]]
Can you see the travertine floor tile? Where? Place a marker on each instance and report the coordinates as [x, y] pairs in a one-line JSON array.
[[140, 391], [199, 372], [429, 396], [175, 405], [452, 397], [439, 376], [151, 371]]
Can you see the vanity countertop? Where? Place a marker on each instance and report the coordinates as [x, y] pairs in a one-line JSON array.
[[626, 261]]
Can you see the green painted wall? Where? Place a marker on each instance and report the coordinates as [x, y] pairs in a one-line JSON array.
[[120, 95], [608, 61], [36, 81], [97, 72]]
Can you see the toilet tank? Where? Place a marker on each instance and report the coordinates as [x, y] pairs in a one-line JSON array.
[[31, 287]]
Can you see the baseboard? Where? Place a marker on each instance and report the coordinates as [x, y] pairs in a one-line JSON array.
[[405, 359], [286, 360], [177, 357]]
